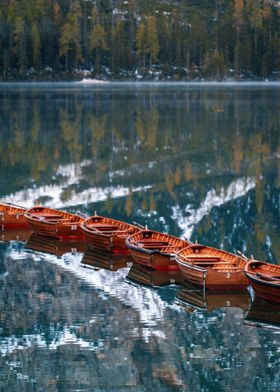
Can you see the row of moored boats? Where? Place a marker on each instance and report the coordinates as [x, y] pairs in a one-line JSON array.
[[199, 265]]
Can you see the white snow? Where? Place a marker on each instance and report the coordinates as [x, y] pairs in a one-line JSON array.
[[188, 218]]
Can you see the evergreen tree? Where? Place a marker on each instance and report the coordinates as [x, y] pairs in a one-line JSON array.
[[98, 44], [36, 46], [20, 43], [151, 40], [140, 44], [70, 39]]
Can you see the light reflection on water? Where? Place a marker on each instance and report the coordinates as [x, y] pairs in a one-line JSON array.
[[190, 161]]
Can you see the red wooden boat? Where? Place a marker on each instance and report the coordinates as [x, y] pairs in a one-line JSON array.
[[55, 246], [107, 234], [265, 279], [12, 216], [150, 277], [54, 223], [98, 259], [212, 268], [155, 250]]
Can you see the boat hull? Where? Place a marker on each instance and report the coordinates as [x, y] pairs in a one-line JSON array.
[[12, 217], [265, 280], [155, 250], [214, 279], [155, 260], [106, 243], [106, 234], [265, 291], [54, 223], [57, 230], [212, 268]]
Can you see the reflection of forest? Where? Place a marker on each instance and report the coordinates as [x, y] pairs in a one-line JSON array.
[[78, 336], [183, 143]]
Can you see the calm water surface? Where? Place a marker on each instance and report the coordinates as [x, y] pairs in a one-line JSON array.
[[201, 162]]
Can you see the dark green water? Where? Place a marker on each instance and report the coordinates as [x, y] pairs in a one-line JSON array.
[[196, 161]]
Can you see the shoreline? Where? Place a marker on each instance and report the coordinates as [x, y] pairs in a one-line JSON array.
[[148, 83]]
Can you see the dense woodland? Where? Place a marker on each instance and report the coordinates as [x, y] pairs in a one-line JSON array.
[[189, 39]]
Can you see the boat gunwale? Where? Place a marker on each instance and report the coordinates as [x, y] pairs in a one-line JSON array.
[[134, 247], [9, 207], [118, 232], [251, 276], [191, 266], [94, 230], [66, 217], [223, 252]]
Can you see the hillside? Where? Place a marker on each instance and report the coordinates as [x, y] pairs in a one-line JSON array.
[[113, 39]]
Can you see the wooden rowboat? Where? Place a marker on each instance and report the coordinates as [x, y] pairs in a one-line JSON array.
[[265, 279], [107, 234], [212, 268], [55, 246], [150, 277], [155, 250], [98, 259], [54, 223], [12, 216]]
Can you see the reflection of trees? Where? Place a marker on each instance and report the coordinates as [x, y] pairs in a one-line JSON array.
[[179, 141], [69, 135]]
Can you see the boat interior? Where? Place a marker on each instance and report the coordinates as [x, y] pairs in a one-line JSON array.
[[151, 240], [108, 226], [265, 271], [52, 216], [211, 258]]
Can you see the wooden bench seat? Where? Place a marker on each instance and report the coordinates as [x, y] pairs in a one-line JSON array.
[[202, 257], [159, 243], [210, 262]]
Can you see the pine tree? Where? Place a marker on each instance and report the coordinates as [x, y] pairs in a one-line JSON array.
[[118, 48], [238, 18], [98, 44], [140, 44], [20, 43], [70, 39], [152, 43], [36, 46]]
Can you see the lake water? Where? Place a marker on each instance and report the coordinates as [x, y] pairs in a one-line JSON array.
[[196, 161]]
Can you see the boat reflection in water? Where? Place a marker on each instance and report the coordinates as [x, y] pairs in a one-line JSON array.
[[105, 260], [263, 314], [15, 234], [149, 277], [194, 298], [55, 246]]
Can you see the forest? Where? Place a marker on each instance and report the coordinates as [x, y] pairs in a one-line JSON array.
[[140, 39]]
